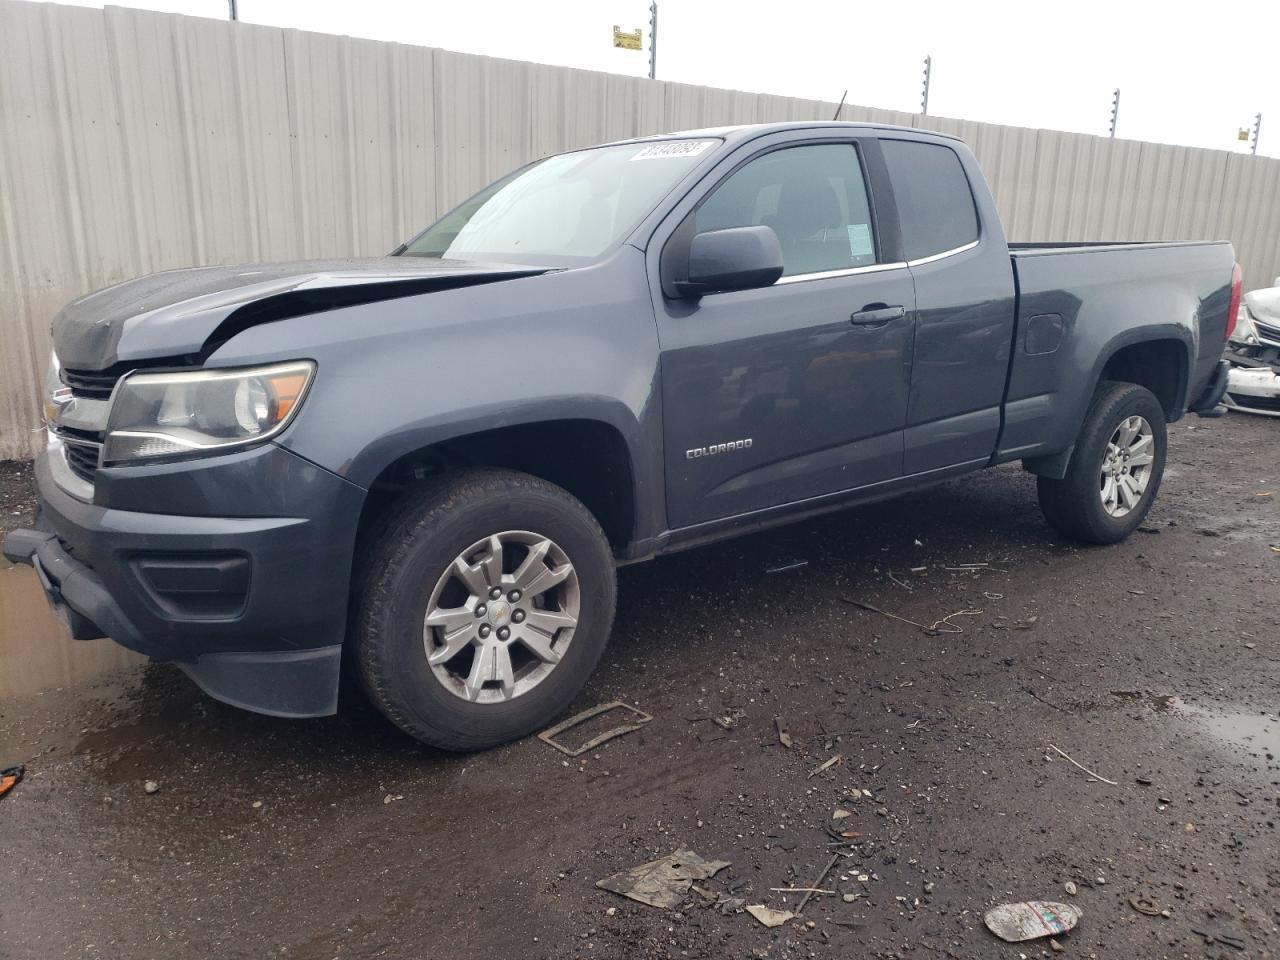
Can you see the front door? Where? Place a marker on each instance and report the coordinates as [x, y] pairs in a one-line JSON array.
[[798, 390]]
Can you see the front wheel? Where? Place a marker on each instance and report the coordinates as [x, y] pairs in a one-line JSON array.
[[487, 603], [1115, 468]]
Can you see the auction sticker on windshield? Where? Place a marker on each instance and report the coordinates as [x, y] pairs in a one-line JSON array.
[[674, 148]]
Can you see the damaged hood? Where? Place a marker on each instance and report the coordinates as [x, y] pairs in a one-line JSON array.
[[189, 313]]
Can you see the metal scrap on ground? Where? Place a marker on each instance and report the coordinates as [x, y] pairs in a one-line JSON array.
[[1030, 920], [549, 735], [663, 882]]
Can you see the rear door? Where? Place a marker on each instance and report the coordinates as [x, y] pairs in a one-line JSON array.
[[799, 390], [965, 305]]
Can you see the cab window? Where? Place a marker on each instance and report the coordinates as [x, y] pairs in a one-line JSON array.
[[935, 204]]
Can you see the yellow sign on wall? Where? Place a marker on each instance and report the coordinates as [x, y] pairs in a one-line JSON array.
[[625, 40]]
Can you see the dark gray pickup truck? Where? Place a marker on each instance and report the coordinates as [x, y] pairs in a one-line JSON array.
[[428, 465]]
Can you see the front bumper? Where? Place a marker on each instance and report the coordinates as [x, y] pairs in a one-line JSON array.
[[235, 567], [1254, 389]]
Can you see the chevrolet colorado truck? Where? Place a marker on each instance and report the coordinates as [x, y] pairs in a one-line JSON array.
[[428, 466]]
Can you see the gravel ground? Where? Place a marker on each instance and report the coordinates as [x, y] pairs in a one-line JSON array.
[[1155, 663], [17, 494]]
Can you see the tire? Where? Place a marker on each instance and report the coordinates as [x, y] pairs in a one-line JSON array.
[[1074, 505], [409, 565]]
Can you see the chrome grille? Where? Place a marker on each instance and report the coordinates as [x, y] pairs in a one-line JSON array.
[[1267, 332], [82, 457], [93, 384]]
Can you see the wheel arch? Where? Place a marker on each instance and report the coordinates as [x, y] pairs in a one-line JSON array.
[[588, 456], [1161, 363]]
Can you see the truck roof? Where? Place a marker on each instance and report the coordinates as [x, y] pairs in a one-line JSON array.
[[752, 130]]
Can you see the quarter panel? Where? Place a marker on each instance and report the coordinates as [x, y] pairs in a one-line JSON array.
[[1108, 298]]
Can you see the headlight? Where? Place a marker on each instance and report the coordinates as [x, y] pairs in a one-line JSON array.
[[1245, 332], [204, 411]]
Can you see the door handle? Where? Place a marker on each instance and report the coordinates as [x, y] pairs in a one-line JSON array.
[[877, 315]]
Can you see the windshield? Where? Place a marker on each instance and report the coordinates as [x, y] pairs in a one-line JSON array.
[[562, 210]]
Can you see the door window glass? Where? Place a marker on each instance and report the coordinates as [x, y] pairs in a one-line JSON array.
[[814, 198]]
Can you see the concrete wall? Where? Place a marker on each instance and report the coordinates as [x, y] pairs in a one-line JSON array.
[[133, 141]]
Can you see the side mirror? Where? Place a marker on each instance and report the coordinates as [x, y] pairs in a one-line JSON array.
[[738, 258]]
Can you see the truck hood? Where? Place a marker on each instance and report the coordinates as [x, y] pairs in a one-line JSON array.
[[187, 314]]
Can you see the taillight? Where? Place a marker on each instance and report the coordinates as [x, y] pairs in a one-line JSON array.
[[1237, 287]]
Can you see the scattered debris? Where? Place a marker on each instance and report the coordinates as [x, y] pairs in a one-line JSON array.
[[1085, 769], [1030, 920], [801, 890], [1070, 887], [992, 596], [825, 765], [768, 916], [1231, 940], [1146, 904], [938, 626], [784, 737], [1026, 624], [392, 798], [839, 814], [730, 905], [548, 736], [818, 883], [787, 565], [904, 586], [151, 787], [663, 882], [10, 777]]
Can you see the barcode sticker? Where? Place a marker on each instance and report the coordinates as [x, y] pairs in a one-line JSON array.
[[674, 148]]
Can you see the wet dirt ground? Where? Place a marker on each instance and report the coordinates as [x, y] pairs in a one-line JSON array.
[[1155, 664]]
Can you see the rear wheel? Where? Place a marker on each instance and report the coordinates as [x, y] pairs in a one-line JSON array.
[[1115, 468], [488, 603]]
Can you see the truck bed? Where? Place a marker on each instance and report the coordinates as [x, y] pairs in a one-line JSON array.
[[1080, 304]]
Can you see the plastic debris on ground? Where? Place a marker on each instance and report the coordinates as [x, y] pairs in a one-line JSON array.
[[10, 777], [663, 882], [549, 735], [784, 735], [768, 916], [1030, 920]]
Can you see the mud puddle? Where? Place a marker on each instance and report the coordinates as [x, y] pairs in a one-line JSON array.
[[35, 652], [1254, 731]]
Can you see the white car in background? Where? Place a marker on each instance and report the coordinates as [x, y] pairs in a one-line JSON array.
[[1254, 351]]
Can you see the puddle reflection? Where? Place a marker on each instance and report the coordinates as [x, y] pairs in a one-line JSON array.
[[35, 652]]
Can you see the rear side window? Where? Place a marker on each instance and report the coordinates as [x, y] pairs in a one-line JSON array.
[[814, 199], [935, 204]]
